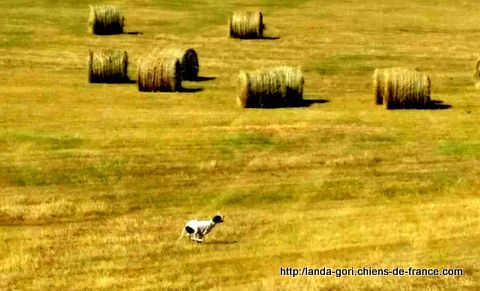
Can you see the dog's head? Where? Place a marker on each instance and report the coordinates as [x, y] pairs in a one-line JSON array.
[[217, 218]]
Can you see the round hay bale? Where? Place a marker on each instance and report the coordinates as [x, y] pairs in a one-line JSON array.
[[406, 88], [107, 66], [105, 19], [159, 73], [246, 25], [276, 87], [188, 59], [379, 81], [261, 89], [294, 83]]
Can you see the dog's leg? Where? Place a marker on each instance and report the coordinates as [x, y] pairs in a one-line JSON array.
[[196, 237], [199, 240], [193, 236]]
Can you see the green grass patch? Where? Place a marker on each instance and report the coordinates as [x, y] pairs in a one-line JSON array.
[[103, 172], [235, 143], [351, 64], [461, 149], [278, 4], [40, 140]]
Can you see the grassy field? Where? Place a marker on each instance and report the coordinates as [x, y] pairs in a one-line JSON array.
[[97, 180]]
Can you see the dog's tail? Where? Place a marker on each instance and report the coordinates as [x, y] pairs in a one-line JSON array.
[[182, 234]]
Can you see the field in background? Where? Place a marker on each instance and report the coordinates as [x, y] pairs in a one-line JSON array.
[[96, 181]]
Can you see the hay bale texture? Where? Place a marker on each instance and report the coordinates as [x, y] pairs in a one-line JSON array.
[[246, 25], [401, 88], [107, 66], [188, 59], [379, 85], [269, 88], [379, 82], [159, 73], [105, 19]]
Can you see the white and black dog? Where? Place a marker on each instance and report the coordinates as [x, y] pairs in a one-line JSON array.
[[197, 229]]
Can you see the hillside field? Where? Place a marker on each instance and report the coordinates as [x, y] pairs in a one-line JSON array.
[[97, 180]]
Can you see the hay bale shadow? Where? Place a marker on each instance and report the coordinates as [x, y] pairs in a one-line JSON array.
[[202, 79], [270, 38], [297, 104], [190, 90], [307, 102], [259, 38], [433, 105], [438, 105], [127, 81]]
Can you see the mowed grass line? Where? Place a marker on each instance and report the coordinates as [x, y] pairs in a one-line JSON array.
[[97, 180]]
